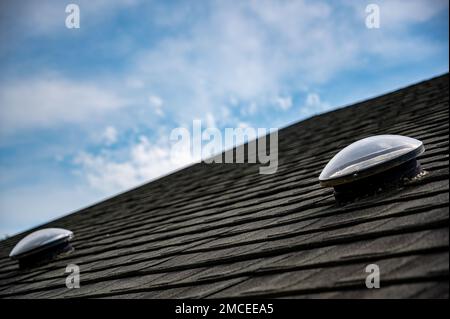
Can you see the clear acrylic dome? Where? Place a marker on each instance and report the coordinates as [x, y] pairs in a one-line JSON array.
[[369, 156], [40, 240]]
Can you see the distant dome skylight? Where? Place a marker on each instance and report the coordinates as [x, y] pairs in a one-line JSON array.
[[42, 245], [372, 162]]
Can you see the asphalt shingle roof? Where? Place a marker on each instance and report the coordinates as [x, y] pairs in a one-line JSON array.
[[224, 230]]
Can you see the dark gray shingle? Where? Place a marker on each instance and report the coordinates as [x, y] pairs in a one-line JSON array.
[[225, 230]]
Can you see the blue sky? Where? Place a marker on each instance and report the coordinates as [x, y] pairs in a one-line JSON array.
[[87, 113]]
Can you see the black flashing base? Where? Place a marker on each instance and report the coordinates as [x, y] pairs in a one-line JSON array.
[[390, 179], [45, 256]]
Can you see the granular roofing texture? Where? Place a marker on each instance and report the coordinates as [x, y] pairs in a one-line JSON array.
[[224, 230]]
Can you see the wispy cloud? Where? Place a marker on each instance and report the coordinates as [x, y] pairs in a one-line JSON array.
[[143, 161], [43, 103], [109, 135], [254, 52], [313, 105], [157, 103]]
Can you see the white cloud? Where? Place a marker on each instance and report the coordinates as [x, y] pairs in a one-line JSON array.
[[210, 120], [109, 135], [157, 103], [268, 48], [314, 105], [312, 99], [134, 83], [41, 103], [245, 64], [284, 103], [144, 161]]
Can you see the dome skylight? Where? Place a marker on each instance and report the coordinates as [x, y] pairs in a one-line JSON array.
[[41, 245], [369, 156]]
